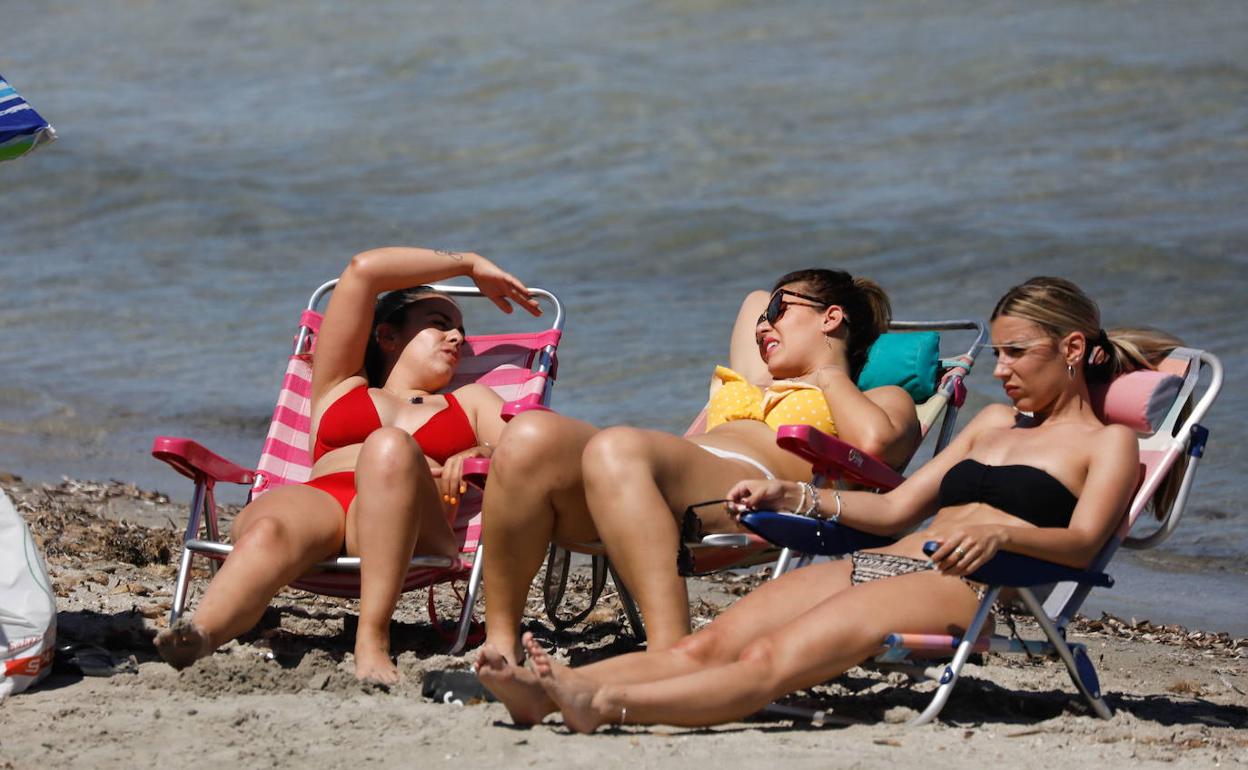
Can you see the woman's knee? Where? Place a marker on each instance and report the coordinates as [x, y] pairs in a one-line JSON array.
[[266, 534], [761, 655], [391, 452], [532, 441], [704, 647], [613, 451]]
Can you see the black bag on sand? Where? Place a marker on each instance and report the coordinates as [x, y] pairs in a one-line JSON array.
[[457, 687]]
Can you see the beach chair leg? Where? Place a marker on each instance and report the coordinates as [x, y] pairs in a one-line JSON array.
[[211, 524], [470, 601], [630, 606], [183, 584], [181, 587], [784, 563], [1078, 664], [949, 678]]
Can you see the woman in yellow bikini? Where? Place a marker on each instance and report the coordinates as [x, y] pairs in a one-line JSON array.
[[795, 354]]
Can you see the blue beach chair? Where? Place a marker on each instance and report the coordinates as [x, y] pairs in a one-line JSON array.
[[1155, 405]]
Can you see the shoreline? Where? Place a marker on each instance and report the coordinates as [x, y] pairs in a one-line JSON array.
[[284, 695]]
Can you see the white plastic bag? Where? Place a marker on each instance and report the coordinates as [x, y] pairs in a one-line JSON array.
[[27, 606]]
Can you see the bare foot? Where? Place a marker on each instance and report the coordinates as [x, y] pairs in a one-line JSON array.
[[573, 693], [510, 642], [182, 644], [515, 687], [372, 661]]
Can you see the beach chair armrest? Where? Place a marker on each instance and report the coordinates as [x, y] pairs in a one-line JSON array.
[[477, 468], [810, 535], [475, 471], [528, 403], [1014, 570], [197, 463], [836, 459]]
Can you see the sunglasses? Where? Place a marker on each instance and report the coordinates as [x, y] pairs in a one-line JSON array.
[[777, 305]]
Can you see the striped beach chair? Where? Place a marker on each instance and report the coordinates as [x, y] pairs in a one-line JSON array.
[[21, 128], [521, 368]]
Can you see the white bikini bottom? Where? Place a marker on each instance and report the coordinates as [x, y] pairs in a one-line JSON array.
[[728, 454]]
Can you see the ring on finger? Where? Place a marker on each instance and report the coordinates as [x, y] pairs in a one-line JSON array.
[[960, 551]]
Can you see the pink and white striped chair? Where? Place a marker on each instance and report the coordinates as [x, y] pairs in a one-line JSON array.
[[519, 367]]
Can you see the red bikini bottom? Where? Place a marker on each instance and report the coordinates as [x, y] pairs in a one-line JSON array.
[[341, 486]]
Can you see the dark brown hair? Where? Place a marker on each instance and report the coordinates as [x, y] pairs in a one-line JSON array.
[[866, 306], [391, 308]]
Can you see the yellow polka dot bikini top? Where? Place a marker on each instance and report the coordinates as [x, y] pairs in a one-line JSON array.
[[784, 402]]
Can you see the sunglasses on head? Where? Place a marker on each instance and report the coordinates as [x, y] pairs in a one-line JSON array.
[[777, 305]]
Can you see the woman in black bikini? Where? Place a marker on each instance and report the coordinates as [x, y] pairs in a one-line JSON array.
[[387, 450], [1043, 477]]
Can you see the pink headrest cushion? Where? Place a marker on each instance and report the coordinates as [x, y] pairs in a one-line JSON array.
[[1139, 399]]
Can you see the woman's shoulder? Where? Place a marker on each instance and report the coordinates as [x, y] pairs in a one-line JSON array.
[[996, 416], [1115, 438], [890, 397]]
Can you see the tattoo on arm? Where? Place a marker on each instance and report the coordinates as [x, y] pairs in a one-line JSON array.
[[455, 255]]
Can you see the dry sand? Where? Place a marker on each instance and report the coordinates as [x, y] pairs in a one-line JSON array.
[[284, 695]]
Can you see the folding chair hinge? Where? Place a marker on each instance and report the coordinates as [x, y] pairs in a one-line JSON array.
[[1200, 435]]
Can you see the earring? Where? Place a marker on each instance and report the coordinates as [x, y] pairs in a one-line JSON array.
[[1070, 370]]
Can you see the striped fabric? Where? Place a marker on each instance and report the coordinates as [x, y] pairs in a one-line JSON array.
[[21, 128], [503, 362]]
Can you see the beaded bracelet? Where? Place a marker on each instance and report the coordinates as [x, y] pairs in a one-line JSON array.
[[813, 510]]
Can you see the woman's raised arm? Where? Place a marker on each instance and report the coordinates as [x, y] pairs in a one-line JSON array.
[[743, 355], [348, 319]]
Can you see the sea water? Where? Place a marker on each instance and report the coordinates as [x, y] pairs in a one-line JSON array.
[[649, 162]]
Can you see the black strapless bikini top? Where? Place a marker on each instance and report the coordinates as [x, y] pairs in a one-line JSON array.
[[1020, 490]]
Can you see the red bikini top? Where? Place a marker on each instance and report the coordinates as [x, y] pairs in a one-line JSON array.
[[353, 416]]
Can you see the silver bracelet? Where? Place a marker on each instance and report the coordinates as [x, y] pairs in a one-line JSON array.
[[836, 495], [801, 504]]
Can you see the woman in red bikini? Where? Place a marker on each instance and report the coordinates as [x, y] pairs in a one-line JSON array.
[[387, 452]]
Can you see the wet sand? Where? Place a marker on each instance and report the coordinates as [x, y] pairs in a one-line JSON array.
[[284, 695]]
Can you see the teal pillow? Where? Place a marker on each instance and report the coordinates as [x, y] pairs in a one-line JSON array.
[[910, 360]]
